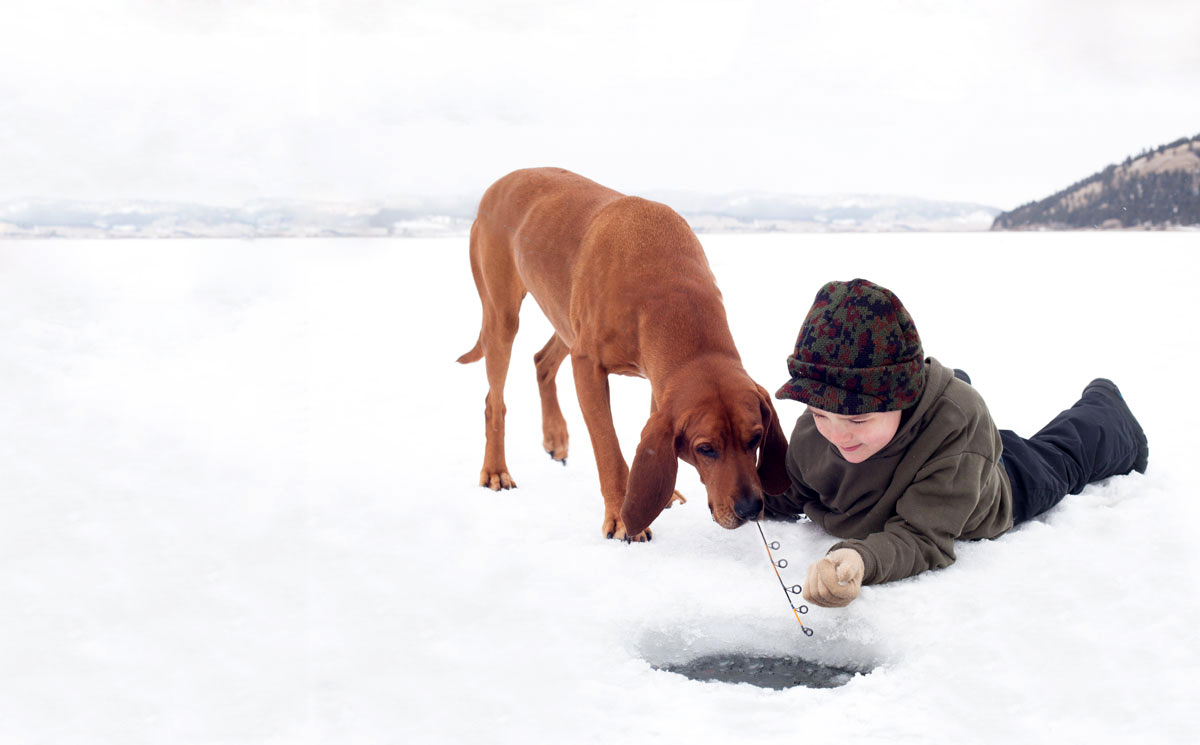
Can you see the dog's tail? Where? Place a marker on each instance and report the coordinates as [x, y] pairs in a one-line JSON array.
[[476, 352]]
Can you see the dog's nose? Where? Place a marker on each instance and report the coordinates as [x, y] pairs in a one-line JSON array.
[[748, 508]]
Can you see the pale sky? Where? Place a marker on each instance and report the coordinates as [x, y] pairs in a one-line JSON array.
[[992, 101]]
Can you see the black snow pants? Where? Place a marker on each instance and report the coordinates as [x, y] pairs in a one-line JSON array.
[[1096, 438]]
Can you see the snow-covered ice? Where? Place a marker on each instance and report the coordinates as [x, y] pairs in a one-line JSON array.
[[240, 506]]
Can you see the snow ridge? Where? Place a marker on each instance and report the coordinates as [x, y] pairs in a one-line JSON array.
[[747, 212]]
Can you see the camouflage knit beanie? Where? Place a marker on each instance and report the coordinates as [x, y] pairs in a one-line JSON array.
[[858, 352]]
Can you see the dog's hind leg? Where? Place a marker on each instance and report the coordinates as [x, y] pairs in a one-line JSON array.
[[501, 291], [497, 347], [554, 427]]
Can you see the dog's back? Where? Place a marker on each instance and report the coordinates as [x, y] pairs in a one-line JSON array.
[[529, 228], [556, 227]]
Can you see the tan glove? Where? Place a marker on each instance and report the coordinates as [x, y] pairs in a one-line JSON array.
[[835, 580]]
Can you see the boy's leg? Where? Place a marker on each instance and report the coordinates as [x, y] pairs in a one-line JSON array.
[[1096, 438]]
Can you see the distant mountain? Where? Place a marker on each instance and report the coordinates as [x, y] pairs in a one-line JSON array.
[[745, 212], [1159, 188]]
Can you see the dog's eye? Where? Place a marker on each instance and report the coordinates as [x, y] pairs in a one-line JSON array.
[[754, 441], [708, 451]]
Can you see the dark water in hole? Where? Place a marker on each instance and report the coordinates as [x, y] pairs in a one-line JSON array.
[[765, 672]]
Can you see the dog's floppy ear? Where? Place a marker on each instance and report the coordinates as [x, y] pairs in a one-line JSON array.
[[772, 459], [652, 476]]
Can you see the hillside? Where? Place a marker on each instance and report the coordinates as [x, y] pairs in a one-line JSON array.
[[1158, 189]]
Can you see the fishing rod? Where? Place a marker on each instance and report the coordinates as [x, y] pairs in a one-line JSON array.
[[787, 591]]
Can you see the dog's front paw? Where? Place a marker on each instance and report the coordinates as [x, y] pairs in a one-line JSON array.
[[675, 497], [496, 480], [615, 529]]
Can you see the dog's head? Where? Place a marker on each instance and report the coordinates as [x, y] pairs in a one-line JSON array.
[[725, 426]]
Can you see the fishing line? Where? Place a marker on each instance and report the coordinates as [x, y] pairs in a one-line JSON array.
[[787, 591]]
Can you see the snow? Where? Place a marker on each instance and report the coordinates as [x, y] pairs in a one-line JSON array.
[[240, 507]]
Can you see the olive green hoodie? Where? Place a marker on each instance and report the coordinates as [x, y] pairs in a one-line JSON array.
[[940, 479]]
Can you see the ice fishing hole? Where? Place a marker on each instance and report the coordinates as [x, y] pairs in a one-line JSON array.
[[719, 652], [764, 671]]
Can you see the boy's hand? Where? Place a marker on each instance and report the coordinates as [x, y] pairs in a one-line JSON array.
[[835, 580]]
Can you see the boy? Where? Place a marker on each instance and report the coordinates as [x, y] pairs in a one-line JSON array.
[[898, 455]]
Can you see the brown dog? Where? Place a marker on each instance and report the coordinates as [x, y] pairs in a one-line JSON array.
[[628, 290]]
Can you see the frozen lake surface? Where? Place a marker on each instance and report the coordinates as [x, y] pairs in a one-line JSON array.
[[240, 506]]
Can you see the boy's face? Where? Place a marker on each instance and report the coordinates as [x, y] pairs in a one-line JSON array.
[[857, 437]]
